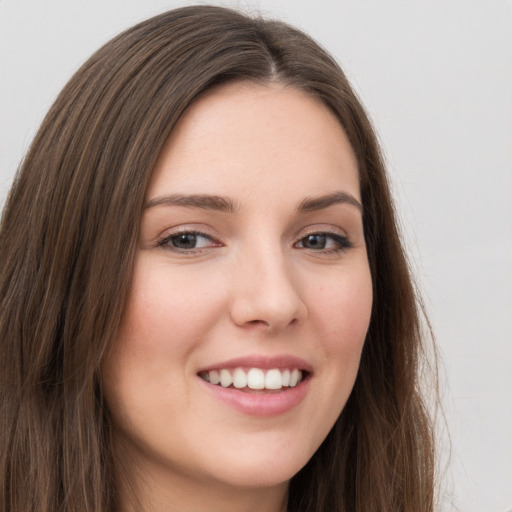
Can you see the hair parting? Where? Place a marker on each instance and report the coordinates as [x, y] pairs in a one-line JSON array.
[[68, 237]]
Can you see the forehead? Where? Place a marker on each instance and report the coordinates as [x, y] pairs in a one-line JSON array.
[[248, 137]]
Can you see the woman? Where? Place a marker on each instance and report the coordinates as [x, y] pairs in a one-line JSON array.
[[205, 302]]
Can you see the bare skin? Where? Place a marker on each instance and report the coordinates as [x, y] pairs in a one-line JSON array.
[[252, 258]]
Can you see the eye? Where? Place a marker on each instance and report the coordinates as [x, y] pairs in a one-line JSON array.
[[327, 242], [187, 241]]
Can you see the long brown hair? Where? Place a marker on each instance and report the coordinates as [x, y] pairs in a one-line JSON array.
[[67, 242]]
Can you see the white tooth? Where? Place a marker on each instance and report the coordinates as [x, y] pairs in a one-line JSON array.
[[214, 376], [285, 378], [273, 379], [206, 377], [255, 378], [225, 378], [294, 378], [239, 378]]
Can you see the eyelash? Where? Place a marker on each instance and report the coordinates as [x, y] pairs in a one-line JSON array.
[[166, 242], [343, 242]]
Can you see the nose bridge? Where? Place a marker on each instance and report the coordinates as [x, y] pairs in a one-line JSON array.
[[266, 290]]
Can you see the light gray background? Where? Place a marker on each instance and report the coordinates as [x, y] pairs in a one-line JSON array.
[[437, 79]]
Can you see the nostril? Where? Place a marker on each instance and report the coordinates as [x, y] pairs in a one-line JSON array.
[[257, 322]]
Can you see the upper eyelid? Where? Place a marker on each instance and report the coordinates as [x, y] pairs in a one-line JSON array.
[[189, 228], [163, 240], [170, 234], [310, 230], [186, 232], [213, 234], [324, 233], [321, 229], [165, 243], [335, 236]]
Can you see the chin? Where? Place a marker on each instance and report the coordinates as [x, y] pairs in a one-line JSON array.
[[252, 476], [261, 468]]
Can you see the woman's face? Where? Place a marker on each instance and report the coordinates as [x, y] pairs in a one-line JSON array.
[[251, 266]]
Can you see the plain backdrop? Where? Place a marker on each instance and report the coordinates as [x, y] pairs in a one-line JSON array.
[[436, 77]]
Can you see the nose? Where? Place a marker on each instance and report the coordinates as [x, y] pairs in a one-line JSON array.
[[266, 293]]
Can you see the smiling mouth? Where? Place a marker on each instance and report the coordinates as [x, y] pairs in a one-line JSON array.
[[256, 379]]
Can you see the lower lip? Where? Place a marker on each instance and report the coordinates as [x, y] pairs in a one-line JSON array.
[[260, 404]]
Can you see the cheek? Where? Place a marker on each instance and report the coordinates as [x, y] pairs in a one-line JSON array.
[[166, 318], [339, 314], [168, 311], [343, 309]]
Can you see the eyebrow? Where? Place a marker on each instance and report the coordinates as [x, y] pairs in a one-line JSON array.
[[224, 204], [203, 201], [319, 203]]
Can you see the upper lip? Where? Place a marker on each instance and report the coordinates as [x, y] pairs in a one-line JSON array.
[[261, 361]]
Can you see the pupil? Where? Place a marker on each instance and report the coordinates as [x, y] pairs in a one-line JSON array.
[[315, 241], [184, 241]]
